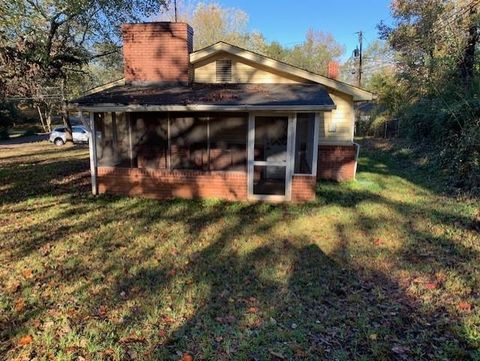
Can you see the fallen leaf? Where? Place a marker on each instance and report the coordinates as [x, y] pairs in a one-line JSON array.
[[13, 287], [102, 311], [25, 340], [431, 285], [187, 357], [27, 273], [132, 339], [252, 310], [19, 305], [162, 333], [464, 306], [378, 242]]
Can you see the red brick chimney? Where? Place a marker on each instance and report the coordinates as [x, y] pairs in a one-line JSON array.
[[157, 52], [333, 70]]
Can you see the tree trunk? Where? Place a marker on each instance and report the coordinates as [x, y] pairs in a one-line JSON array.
[[467, 65], [65, 115], [44, 126]]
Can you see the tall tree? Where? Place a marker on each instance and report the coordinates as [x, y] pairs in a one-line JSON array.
[[314, 54], [44, 43]]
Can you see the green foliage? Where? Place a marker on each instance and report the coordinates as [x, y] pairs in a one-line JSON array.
[[435, 103], [8, 115]]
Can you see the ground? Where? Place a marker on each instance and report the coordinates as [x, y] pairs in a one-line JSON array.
[[383, 268]]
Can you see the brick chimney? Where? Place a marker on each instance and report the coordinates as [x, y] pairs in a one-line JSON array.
[[157, 52]]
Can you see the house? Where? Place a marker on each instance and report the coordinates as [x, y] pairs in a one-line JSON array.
[[221, 122]]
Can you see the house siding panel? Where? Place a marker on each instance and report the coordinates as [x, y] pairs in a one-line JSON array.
[[242, 72]]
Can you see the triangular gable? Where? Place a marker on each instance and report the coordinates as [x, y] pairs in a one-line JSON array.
[[358, 94]]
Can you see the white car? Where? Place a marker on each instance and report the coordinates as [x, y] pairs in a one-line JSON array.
[[58, 136]]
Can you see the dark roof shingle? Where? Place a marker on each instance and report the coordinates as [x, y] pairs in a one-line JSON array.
[[248, 95]]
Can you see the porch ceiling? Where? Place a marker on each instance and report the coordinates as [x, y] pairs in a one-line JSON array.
[[211, 97]]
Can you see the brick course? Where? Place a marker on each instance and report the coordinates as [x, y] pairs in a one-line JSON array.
[[336, 162], [157, 52], [303, 188], [164, 184]]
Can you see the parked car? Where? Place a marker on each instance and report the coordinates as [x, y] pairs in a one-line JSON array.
[[59, 135]]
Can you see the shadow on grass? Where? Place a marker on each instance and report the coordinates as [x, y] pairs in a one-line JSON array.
[[138, 279]]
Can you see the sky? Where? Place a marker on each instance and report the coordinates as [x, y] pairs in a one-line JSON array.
[[287, 21]]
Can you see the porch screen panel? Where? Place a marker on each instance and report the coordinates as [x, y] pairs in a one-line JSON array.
[[149, 136], [304, 142], [189, 142], [112, 140], [121, 140], [271, 138], [106, 149], [228, 142]]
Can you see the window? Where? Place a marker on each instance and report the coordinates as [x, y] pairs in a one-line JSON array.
[[79, 130], [224, 71], [304, 143], [60, 130]]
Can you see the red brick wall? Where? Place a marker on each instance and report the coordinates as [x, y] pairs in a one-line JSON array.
[[303, 188], [336, 162], [157, 52], [164, 184]]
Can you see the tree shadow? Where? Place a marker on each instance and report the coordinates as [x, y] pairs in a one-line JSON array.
[[128, 279]]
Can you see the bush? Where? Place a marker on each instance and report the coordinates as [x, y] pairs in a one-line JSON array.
[[449, 123]]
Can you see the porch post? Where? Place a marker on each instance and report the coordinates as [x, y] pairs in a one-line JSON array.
[[93, 154], [316, 131], [291, 135], [250, 152]]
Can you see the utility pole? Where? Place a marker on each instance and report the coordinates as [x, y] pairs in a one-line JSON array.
[[175, 9], [360, 58]]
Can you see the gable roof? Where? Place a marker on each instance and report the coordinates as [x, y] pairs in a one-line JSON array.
[[358, 94]]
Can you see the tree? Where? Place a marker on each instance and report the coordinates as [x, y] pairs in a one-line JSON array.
[[378, 60], [316, 52], [46, 43]]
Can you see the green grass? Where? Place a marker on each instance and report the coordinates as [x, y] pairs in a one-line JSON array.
[[383, 268]]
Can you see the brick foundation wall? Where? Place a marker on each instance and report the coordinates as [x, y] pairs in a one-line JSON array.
[[336, 162], [303, 188], [163, 184], [157, 52]]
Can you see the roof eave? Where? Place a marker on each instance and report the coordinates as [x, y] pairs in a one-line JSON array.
[[110, 107]]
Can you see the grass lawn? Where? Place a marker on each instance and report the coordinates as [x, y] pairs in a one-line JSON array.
[[384, 268]]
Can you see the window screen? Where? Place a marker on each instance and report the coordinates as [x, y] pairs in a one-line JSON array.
[[112, 139], [304, 142], [228, 142], [189, 142], [224, 71], [149, 140]]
